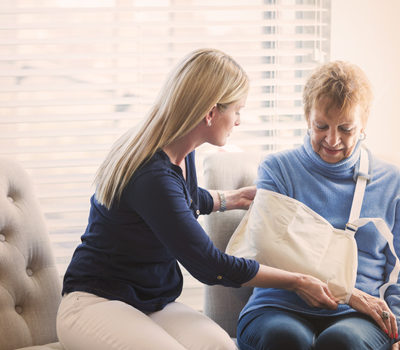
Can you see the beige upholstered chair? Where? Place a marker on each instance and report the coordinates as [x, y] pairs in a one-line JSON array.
[[224, 171], [29, 282]]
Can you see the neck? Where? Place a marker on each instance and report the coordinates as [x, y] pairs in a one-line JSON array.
[[179, 149]]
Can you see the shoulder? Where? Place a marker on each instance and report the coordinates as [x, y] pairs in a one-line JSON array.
[[156, 174], [280, 159], [385, 177], [385, 166], [277, 171]]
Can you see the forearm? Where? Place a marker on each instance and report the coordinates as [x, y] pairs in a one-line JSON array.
[[270, 277], [310, 289]]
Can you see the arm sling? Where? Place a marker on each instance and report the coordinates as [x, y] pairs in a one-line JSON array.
[[282, 232]]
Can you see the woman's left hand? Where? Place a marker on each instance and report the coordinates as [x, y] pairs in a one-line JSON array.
[[396, 346], [375, 308]]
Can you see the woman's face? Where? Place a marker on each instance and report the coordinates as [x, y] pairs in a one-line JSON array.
[[333, 133], [223, 122]]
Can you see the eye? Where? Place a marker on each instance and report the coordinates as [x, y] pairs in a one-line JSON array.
[[321, 127], [346, 129]]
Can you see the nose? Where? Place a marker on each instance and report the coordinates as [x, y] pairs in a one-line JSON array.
[[332, 137]]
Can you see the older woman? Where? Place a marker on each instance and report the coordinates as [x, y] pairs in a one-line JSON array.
[[321, 174]]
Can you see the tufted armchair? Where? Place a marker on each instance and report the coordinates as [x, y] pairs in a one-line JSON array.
[[29, 283], [224, 171]]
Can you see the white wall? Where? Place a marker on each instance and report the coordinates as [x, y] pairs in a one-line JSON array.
[[367, 32]]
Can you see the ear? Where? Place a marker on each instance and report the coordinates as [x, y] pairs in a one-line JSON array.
[[210, 116]]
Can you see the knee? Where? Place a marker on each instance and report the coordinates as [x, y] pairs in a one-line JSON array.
[[220, 343], [213, 342], [212, 338], [344, 340], [276, 339]]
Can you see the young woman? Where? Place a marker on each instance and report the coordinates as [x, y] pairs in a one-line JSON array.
[[120, 288]]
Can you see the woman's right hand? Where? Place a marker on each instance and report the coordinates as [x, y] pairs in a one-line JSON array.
[[310, 289], [315, 293]]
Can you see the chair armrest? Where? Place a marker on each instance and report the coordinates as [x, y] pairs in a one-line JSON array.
[[227, 171]]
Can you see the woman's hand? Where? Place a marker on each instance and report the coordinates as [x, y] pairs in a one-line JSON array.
[[235, 199], [315, 293], [312, 290], [242, 197], [396, 346], [375, 308]]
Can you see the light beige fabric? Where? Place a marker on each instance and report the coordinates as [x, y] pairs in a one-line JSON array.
[[282, 232], [224, 171], [52, 346], [29, 282], [86, 321]]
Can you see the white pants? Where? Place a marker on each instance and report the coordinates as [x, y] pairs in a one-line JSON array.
[[86, 321]]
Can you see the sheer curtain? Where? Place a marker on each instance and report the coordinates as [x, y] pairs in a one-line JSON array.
[[75, 74]]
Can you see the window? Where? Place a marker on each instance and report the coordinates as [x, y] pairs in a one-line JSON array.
[[75, 74]]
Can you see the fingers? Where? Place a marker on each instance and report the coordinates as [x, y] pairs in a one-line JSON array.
[[377, 309], [320, 301], [392, 325], [327, 300], [318, 295], [331, 296], [386, 322]]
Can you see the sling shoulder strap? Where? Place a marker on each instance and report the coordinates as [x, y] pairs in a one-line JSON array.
[[362, 178]]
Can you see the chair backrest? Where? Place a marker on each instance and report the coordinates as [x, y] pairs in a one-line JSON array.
[[225, 171], [30, 289]]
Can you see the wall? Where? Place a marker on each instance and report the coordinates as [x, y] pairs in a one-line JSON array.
[[367, 32]]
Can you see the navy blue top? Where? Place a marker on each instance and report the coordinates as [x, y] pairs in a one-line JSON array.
[[130, 252]]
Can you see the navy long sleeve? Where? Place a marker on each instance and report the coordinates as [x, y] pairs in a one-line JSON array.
[[131, 251]]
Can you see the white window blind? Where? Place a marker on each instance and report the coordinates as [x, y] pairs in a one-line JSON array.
[[75, 74]]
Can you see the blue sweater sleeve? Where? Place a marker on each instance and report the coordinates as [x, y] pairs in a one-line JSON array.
[[392, 294], [158, 196], [271, 176]]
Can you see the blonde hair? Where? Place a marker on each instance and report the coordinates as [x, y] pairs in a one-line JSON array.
[[343, 84], [203, 79]]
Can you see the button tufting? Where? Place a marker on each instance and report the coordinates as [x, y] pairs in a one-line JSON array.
[[11, 199], [18, 309], [2, 238], [29, 272], [219, 277]]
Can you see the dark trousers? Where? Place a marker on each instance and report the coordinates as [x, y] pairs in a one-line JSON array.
[[276, 329]]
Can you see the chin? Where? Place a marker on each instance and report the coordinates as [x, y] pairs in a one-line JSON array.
[[330, 160]]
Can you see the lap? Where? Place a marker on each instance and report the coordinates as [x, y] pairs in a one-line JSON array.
[[352, 331], [272, 328], [85, 321], [193, 329]]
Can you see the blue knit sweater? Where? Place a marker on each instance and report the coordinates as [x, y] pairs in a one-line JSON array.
[[328, 190]]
